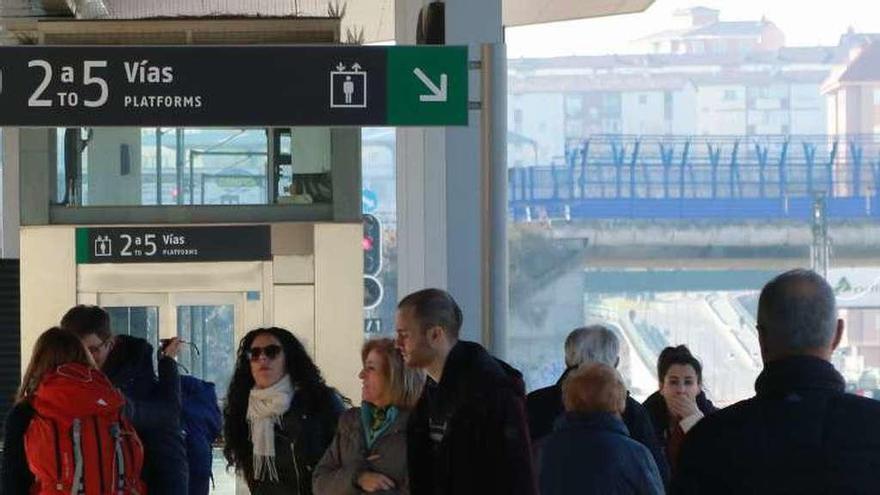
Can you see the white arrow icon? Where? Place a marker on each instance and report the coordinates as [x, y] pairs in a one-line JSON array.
[[438, 94]]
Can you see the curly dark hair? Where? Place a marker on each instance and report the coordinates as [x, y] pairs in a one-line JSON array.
[[305, 376]]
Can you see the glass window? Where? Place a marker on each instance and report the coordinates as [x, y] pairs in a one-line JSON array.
[[210, 354], [177, 166], [136, 321], [628, 233]]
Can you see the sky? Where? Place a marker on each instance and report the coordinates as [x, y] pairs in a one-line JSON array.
[[804, 22]]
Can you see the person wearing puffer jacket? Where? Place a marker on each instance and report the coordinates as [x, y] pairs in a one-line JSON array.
[[66, 409], [590, 450]]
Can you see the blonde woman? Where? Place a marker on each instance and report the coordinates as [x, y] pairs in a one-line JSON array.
[[368, 453]]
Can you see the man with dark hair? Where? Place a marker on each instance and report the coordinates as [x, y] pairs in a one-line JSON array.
[[153, 403], [801, 433], [467, 434], [584, 346]]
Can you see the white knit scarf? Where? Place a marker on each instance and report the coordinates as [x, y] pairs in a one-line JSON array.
[[266, 406]]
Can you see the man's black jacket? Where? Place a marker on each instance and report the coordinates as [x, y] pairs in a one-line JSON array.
[[477, 416]]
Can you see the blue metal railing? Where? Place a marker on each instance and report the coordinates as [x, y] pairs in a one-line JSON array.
[[615, 176]]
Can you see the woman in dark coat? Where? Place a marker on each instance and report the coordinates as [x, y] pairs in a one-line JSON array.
[[590, 450], [680, 403], [368, 453], [280, 415]]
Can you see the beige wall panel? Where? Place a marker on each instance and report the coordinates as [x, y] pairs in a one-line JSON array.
[[48, 281], [171, 277], [252, 317], [339, 304], [295, 311], [87, 298], [293, 239], [294, 270], [268, 293]]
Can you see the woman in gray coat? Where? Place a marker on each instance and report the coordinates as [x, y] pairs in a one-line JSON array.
[[368, 452]]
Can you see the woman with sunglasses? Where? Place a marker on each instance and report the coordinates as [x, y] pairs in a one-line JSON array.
[[368, 453], [67, 409], [280, 415]]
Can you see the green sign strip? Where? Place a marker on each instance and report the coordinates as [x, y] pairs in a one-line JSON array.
[[83, 252], [427, 85]]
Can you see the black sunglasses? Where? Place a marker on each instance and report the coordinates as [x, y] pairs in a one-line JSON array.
[[270, 351]]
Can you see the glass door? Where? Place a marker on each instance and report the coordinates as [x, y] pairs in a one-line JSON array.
[[137, 315], [211, 324]]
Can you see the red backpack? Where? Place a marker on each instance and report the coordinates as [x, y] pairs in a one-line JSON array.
[[78, 442]]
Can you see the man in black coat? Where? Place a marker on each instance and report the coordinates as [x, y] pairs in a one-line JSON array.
[[801, 433], [592, 344], [467, 434], [152, 403]]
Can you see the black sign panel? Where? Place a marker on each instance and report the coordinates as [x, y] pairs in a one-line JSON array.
[[149, 86], [173, 244]]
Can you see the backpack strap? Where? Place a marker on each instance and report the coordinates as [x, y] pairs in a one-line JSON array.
[[78, 484], [56, 437], [116, 434]]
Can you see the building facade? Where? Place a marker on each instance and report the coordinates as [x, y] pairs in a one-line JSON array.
[[745, 83]]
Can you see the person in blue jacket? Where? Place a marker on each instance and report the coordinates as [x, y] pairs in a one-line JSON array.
[[202, 422], [590, 450], [585, 345]]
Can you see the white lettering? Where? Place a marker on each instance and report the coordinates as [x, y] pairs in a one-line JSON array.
[[67, 74], [131, 71], [175, 240], [142, 72]]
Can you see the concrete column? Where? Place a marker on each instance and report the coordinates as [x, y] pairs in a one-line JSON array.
[[10, 216], [449, 231], [112, 179], [421, 187]]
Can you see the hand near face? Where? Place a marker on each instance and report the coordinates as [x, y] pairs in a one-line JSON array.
[[682, 406], [373, 482], [171, 348]]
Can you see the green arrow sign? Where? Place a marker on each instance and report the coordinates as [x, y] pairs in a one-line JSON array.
[[427, 85]]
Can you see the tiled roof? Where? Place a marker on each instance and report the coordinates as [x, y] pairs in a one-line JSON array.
[[865, 67], [783, 56], [737, 28]]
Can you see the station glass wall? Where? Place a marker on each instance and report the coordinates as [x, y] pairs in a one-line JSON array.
[[652, 168]]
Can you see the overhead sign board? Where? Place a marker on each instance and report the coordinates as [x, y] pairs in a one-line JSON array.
[[163, 244], [146, 86]]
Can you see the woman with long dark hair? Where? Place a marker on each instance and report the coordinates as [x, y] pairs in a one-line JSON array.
[[280, 415]]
